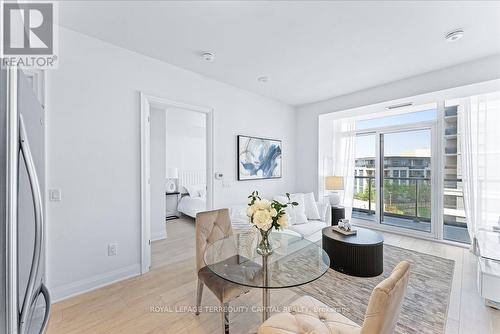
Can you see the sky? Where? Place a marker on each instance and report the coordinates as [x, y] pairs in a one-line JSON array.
[[399, 143]]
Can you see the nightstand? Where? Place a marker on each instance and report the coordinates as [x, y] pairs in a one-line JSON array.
[[338, 213], [172, 200]]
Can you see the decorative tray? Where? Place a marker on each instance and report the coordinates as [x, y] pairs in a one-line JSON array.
[[343, 231]]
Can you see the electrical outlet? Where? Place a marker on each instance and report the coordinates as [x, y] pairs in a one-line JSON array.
[[112, 249], [55, 195]]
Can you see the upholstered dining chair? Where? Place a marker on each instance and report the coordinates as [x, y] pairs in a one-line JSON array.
[[210, 227], [308, 315]]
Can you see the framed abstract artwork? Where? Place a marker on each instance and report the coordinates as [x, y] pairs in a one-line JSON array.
[[259, 158]]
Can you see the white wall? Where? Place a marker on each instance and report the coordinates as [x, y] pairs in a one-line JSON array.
[[94, 153], [307, 115], [158, 173], [186, 139]]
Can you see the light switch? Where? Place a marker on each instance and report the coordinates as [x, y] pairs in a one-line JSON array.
[[55, 195], [112, 249]]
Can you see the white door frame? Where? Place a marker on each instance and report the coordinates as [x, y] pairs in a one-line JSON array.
[[148, 101]]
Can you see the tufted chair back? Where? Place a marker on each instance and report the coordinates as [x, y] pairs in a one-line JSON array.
[[210, 226], [385, 302]]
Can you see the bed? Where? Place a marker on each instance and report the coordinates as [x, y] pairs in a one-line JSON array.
[[190, 206], [192, 185]]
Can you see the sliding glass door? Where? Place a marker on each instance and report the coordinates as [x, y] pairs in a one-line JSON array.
[[395, 163], [405, 178]]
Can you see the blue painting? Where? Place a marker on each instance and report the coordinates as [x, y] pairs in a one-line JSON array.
[[258, 158]]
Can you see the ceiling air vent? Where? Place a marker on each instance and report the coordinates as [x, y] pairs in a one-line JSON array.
[[402, 105]]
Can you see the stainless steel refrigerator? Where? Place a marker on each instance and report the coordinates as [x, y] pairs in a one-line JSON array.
[[25, 300]]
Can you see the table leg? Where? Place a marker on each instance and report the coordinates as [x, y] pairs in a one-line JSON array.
[[265, 304], [265, 290], [225, 318]]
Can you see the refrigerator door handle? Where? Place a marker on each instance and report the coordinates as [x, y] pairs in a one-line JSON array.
[[46, 295], [37, 202]]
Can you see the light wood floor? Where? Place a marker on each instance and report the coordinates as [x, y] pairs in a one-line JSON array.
[[131, 306]]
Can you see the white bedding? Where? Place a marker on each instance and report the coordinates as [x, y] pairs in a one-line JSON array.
[[190, 206]]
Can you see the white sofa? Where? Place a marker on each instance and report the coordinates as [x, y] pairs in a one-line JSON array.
[[310, 230]]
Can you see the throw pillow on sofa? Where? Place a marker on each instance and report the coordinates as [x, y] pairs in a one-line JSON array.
[[297, 214], [311, 207]]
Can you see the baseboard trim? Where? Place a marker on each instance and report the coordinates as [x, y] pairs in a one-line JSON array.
[[159, 236], [66, 291]]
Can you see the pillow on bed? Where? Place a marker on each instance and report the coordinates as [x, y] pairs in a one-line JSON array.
[[193, 190], [197, 190]]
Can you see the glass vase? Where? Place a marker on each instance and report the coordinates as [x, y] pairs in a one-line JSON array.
[[264, 247]]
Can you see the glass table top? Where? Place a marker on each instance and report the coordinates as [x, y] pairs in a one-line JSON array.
[[294, 261]]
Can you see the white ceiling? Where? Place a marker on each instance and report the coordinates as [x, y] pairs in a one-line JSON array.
[[310, 50]]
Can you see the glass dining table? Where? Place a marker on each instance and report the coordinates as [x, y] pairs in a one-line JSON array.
[[294, 261]]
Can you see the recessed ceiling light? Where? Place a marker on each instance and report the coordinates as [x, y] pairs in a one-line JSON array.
[[454, 35], [208, 56], [263, 79]]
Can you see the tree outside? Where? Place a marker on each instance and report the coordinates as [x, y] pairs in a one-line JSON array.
[[400, 198]]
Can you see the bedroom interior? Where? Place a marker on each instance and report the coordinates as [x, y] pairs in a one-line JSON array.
[[178, 150], [250, 167]]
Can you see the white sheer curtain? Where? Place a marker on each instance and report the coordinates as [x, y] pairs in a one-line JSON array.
[[343, 153], [479, 129]]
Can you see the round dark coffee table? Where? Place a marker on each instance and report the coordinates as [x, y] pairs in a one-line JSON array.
[[361, 254]]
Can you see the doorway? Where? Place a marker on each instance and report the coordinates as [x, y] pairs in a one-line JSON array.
[[176, 167]]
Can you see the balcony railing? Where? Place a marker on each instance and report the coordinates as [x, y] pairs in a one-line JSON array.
[[404, 197]]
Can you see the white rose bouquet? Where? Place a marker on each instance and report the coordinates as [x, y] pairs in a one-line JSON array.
[[265, 215]]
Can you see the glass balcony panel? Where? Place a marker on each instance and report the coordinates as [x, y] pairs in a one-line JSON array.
[[364, 202]]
